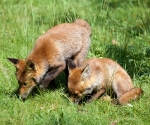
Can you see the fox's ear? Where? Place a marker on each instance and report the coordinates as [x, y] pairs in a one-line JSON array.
[[85, 73], [14, 61], [17, 62], [71, 65], [30, 65]]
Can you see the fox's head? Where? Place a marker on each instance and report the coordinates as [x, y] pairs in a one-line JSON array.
[[25, 73], [78, 81]]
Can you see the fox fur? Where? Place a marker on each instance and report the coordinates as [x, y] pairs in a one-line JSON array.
[[96, 77], [48, 57]]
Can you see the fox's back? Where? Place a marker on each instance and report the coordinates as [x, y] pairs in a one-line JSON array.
[[104, 65], [103, 70], [64, 40], [68, 37]]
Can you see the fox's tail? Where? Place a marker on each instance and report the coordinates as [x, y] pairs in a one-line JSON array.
[[132, 94], [83, 23]]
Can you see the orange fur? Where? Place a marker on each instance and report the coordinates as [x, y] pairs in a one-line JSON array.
[[98, 75], [48, 57]]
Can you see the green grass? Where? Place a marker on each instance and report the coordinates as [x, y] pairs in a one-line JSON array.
[[125, 21]]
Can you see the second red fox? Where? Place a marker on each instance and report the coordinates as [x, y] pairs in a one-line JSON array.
[[97, 75], [48, 57]]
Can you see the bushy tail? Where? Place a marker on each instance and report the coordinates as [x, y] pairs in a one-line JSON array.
[[132, 94], [83, 23]]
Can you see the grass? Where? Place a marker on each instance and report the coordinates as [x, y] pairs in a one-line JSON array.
[[127, 22]]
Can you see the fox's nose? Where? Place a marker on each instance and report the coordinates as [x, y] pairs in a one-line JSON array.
[[23, 96]]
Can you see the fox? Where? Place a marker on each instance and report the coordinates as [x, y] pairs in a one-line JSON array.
[[49, 55], [96, 77]]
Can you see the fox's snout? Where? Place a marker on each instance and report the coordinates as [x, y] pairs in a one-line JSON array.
[[24, 92]]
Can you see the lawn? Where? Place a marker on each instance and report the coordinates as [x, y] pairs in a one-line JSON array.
[[123, 22]]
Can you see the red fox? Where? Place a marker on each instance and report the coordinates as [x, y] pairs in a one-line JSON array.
[[96, 77], [49, 56]]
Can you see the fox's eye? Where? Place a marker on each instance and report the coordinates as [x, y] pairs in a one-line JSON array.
[[25, 84], [75, 95]]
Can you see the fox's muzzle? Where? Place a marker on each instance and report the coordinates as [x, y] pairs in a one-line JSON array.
[[26, 93]]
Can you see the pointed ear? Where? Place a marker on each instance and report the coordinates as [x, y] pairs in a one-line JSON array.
[[71, 65], [30, 65], [14, 61], [85, 73]]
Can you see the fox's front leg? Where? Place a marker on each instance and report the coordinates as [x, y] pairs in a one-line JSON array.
[[97, 95], [51, 75]]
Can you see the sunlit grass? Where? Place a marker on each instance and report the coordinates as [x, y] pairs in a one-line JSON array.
[[126, 22]]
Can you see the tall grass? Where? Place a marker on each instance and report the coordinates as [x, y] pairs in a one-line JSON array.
[[125, 22]]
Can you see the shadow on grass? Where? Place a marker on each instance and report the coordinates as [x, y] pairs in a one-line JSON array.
[[139, 28], [116, 3], [130, 58], [59, 82]]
